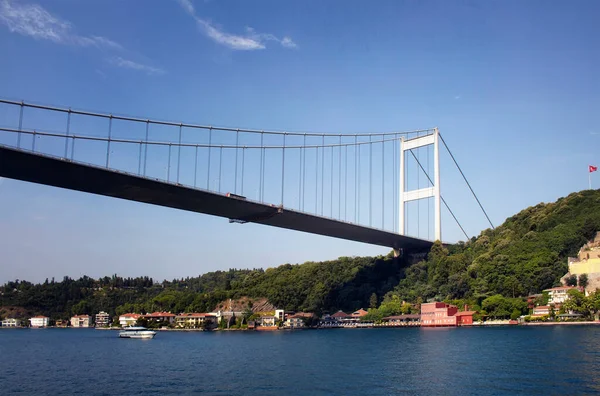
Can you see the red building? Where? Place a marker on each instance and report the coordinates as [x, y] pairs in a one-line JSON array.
[[464, 318], [439, 314]]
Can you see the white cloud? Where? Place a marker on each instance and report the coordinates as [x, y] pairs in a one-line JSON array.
[[287, 42], [187, 6], [34, 21], [129, 64], [248, 42]]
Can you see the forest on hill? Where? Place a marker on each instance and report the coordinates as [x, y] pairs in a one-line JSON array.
[[525, 255]]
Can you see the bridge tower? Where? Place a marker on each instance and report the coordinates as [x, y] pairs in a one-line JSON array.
[[423, 193]]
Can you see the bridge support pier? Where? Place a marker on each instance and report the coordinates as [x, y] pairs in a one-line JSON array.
[[397, 252]]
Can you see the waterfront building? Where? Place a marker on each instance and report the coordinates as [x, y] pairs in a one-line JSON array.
[[81, 321], [11, 322], [195, 320], [340, 316], [129, 319], [464, 318], [438, 314], [161, 317], [267, 321], [102, 319], [402, 320], [39, 321], [358, 314], [541, 310], [298, 320]]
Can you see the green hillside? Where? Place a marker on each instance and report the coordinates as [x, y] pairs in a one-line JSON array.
[[525, 255]]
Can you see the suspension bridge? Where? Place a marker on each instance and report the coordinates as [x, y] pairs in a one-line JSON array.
[[376, 188]]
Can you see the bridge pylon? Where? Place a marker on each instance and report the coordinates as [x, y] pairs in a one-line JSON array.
[[423, 193]]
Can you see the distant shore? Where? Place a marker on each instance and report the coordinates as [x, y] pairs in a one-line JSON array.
[[595, 322]]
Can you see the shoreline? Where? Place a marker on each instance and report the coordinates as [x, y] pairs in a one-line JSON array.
[[474, 325]]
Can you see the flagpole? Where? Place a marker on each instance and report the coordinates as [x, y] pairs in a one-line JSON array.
[[590, 179]]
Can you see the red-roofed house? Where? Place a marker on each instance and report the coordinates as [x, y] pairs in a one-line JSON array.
[[464, 318], [298, 320], [161, 317], [340, 316], [359, 314]]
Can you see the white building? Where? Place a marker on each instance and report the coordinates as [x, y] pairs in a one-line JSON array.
[[558, 295], [102, 319], [39, 321], [11, 322], [81, 321], [129, 319], [280, 314]]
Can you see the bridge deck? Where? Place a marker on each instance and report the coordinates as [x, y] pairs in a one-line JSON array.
[[36, 168]]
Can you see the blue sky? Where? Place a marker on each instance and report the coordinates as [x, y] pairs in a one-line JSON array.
[[512, 85]]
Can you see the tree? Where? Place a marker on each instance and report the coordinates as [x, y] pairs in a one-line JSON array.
[[583, 280], [373, 301], [578, 303], [515, 314], [571, 280]]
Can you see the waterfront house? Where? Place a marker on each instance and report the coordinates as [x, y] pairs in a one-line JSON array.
[[39, 321], [464, 318], [128, 319], [268, 321], [11, 322], [358, 314], [438, 314], [195, 320], [102, 319], [167, 317], [294, 322], [81, 321], [558, 295], [355, 316], [298, 320], [341, 316], [541, 310]]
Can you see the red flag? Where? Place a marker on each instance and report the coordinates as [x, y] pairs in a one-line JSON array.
[[593, 168]]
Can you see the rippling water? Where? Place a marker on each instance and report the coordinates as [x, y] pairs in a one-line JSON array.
[[478, 361]]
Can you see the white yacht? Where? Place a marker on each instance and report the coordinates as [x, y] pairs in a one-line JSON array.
[[136, 332]]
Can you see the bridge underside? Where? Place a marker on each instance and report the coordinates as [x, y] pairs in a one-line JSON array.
[[35, 168]]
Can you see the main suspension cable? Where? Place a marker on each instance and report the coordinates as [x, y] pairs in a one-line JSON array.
[[466, 181]]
